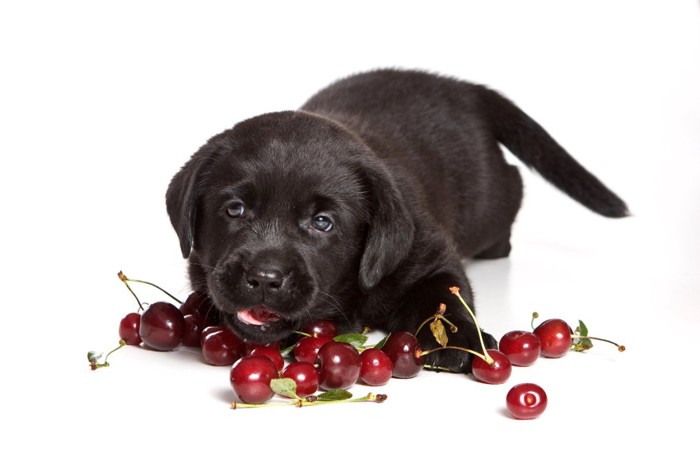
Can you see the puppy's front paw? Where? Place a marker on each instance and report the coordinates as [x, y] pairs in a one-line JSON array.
[[454, 360]]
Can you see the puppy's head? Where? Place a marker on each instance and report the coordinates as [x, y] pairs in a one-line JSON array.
[[285, 219]]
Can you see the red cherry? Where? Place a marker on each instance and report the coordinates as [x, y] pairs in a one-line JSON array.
[[250, 346], [521, 347], [322, 327], [555, 337], [403, 349], [307, 348], [129, 329], [375, 367], [221, 347], [250, 379], [271, 353], [162, 326], [208, 330], [304, 375], [192, 334], [199, 303], [526, 401], [497, 372], [338, 365]]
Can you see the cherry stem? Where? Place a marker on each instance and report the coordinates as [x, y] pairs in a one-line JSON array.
[[486, 357], [455, 291], [96, 365], [535, 315], [126, 281], [621, 348], [309, 401], [440, 314]]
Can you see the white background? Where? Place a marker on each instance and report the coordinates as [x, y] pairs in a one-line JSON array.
[[102, 102]]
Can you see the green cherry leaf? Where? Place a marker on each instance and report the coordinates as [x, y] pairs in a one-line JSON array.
[[381, 343], [581, 344], [334, 395], [286, 387], [354, 339]]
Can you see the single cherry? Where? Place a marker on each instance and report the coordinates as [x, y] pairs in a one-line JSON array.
[[338, 365], [221, 347], [192, 334], [199, 303], [526, 401], [495, 373], [250, 346], [375, 367], [555, 337], [304, 375], [307, 348], [162, 326], [271, 353], [322, 327], [250, 379], [521, 347], [403, 350], [129, 329]]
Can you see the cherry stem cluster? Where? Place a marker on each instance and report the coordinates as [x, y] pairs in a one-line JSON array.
[[439, 315], [486, 356], [310, 401], [126, 281]]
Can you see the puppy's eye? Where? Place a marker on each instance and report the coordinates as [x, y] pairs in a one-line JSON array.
[[235, 209], [323, 223]]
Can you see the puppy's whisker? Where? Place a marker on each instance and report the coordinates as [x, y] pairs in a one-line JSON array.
[[334, 303]]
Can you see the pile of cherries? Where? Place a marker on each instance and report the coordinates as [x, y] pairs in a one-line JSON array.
[[323, 360]]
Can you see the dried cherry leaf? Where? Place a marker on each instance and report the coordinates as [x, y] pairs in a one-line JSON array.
[[334, 395], [284, 387], [438, 330]]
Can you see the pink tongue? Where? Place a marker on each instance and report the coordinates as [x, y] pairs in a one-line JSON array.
[[257, 316]]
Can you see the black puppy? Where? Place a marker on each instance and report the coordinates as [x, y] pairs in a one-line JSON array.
[[360, 206]]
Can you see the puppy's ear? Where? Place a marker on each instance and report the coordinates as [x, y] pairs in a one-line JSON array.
[[391, 229], [181, 201]]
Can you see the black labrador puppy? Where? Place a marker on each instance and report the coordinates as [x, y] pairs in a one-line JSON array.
[[361, 205]]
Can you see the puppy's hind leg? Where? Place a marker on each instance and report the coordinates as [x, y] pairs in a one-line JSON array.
[[500, 249]]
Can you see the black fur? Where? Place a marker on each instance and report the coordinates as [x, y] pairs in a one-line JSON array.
[[408, 167]]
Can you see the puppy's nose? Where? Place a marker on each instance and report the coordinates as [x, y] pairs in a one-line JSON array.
[[265, 278]]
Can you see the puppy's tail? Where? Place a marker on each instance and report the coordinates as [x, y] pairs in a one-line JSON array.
[[527, 140]]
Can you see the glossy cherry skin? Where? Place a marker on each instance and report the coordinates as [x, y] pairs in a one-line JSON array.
[[271, 353], [322, 327], [338, 365], [199, 303], [250, 379], [221, 347], [129, 329], [375, 367], [192, 334], [526, 401], [304, 375], [250, 346], [306, 350], [496, 373], [403, 350], [555, 337], [162, 326], [521, 347]]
